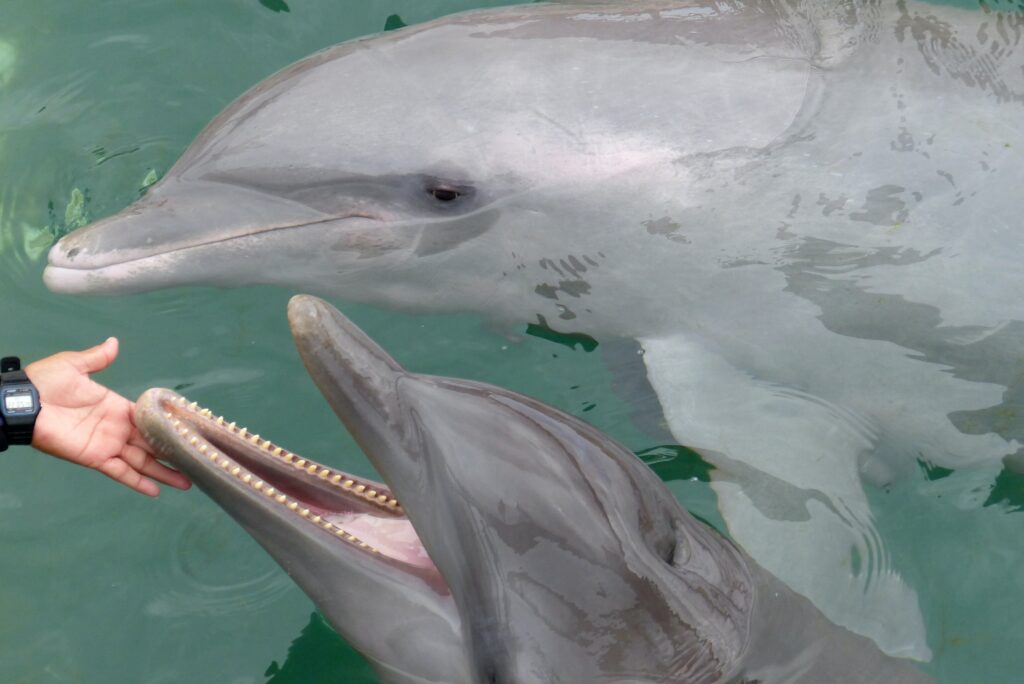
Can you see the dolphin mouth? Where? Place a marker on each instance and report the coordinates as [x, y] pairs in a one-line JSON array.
[[75, 268], [354, 512]]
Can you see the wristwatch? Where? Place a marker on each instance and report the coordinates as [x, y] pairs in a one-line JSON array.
[[19, 403]]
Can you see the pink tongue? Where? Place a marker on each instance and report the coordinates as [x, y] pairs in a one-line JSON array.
[[393, 537]]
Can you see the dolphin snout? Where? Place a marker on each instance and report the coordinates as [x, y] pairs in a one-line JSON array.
[[174, 235]]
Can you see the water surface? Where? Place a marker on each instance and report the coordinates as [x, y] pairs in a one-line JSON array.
[[102, 585]]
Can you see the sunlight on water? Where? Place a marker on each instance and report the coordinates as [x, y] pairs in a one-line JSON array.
[[97, 100]]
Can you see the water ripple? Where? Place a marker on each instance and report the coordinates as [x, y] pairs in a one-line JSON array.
[[216, 570]]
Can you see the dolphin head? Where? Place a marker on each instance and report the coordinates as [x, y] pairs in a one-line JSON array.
[[510, 542], [343, 172], [568, 559], [291, 185]]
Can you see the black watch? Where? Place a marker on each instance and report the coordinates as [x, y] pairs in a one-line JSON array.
[[19, 402]]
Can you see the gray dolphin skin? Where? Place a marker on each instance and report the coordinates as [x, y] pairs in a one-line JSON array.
[[808, 215], [527, 547]]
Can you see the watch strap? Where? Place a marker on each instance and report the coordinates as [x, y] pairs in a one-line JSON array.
[[20, 434], [14, 376]]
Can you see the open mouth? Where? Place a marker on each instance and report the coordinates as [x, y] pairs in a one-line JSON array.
[[359, 513]]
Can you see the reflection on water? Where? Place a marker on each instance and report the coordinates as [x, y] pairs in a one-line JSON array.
[[101, 585], [319, 655], [202, 576]]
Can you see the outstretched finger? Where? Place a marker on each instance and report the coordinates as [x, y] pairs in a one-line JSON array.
[[147, 464], [96, 358], [140, 455], [118, 469]]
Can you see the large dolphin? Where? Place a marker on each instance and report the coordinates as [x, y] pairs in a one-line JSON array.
[[807, 213], [527, 547]]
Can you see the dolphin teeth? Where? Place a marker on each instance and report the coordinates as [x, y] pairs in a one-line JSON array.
[[242, 433], [277, 451], [267, 444], [236, 471], [293, 505], [183, 431], [202, 448], [214, 456], [372, 494], [324, 473], [304, 512], [340, 532], [247, 478], [225, 464], [181, 401], [206, 413], [193, 406], [231, 426], [347, 484], [169, 414], [361, 488], [288, 458], [327, 525], [255, 439], [281, 498], [301, 462], [193, 441], [382, 498], [220, 420], [316, 519], [392, 502], [311, 469], [258, 485], [176, 423], [336, 478], [269, 491]]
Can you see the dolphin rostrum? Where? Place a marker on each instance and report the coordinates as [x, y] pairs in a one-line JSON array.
[[807, 213], [511, 542]]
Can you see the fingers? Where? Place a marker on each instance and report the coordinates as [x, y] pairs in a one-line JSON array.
[[134, 468], [96, 358], [161, 473], [142, 461], [118, 469]]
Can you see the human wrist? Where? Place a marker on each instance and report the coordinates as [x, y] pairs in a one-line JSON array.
[[19, 403]]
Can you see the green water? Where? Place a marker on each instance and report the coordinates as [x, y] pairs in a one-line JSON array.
[[101, 585]]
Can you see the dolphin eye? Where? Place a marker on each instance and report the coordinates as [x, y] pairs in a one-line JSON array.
[[669, 554], [444, 193]]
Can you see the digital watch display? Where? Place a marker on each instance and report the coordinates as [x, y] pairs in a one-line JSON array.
[[19, 402]]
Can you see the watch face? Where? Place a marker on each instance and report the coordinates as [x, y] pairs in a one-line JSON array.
[[19, 401]]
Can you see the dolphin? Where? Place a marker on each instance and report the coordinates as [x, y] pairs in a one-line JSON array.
[[509, 543], [806, 213]]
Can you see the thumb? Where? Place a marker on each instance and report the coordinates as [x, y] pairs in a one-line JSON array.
[[96, 358]]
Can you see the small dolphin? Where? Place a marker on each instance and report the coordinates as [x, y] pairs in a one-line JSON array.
[[527, 547], [807, 213]]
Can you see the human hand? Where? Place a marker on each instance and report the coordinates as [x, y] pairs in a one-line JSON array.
[[86, 423]]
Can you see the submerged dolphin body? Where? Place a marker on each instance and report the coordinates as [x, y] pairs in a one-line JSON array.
[[527, 547], [807, 213]]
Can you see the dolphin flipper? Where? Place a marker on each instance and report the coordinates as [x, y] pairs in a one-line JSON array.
[[789, 488]]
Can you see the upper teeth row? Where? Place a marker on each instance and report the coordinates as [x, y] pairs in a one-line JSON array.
[[325, 474], [262, 487]]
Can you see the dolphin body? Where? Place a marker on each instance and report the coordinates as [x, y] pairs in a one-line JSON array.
[[527, 547], [807, 213]]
